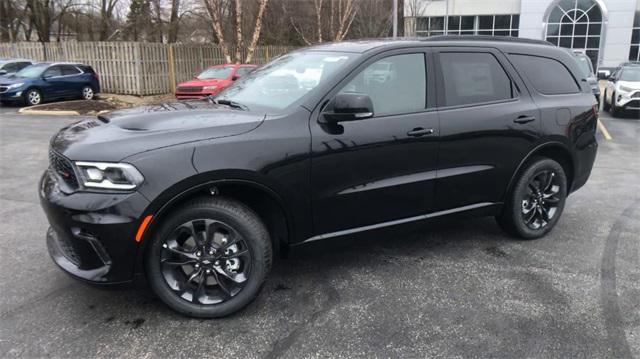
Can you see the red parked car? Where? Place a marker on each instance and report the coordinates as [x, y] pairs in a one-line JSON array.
[[212, 80]]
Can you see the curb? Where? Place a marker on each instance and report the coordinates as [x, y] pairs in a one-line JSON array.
[[29, 111]]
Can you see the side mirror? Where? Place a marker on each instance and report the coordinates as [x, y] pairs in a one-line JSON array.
[[603, 74], [348, 107], [3, 72], [235, 77]]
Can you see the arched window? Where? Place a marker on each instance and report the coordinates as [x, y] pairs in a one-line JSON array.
[[576, 24]]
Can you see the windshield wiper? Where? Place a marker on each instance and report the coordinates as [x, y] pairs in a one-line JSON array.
[[231, 104]]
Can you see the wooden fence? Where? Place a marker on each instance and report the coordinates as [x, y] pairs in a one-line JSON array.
[[135, 68]]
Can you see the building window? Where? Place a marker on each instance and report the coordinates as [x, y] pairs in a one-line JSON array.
[[576, 24], [634, 51], [497, 25]]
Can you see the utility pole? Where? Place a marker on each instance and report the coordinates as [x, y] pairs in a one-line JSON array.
[[395, 18], [446, 17]]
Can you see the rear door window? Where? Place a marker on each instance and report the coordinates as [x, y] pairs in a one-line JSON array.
[[474, 78], [548, 76], [396, 84]]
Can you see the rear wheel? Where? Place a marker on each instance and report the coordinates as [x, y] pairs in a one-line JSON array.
[[534, 206], [210, 258], [32, 97], [88, 93]]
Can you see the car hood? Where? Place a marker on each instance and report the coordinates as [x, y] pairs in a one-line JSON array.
[[630, 84], [9, 79], [206, 82], [120, 134]]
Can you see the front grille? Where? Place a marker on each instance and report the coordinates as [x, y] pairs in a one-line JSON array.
[[189, 89], [62, 166]]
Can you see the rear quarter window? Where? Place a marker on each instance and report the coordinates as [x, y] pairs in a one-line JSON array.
[[548, 76]]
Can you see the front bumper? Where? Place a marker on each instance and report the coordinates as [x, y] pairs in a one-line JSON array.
[[92, 235], [11, 95]]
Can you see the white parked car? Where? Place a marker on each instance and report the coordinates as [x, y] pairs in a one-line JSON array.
[[622, 91]]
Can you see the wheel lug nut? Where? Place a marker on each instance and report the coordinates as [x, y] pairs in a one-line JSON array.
[[217, 263], [164, 245], [208, 271], [198, 253], [197, 265]]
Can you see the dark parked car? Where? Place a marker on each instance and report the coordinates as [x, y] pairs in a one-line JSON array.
[[200, 196], [11, 66], [48, 81]]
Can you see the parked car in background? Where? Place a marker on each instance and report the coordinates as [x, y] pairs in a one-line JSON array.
[[622, 90], [200, 195], [11, 66], [586, 68], [48, 81], [212, 80]]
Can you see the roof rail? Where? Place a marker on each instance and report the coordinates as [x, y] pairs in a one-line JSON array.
[[485, 38]]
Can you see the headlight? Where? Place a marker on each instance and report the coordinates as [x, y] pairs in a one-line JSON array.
[[209, 87], [14, 86], [122, 176], [624, 89]]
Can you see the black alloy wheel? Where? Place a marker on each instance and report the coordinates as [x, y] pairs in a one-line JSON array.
[[209, 258], [205, 261], [534, 205], [540, 203]]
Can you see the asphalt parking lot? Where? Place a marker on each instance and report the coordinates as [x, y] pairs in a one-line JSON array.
[[451, 289]]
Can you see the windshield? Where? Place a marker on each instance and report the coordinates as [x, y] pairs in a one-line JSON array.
[[32, 71], [630, 74], [216, 73], [286, 79], [585, 65]]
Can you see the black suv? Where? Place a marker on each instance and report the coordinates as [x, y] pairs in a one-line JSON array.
[[323, 142]]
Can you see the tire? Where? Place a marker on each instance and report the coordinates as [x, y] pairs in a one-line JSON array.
[[615, 111], [605, 105], [173, 259], [87, 93], [529, 214], [32, 97]]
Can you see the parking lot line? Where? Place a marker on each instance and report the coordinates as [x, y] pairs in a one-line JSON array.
[[604, 131]]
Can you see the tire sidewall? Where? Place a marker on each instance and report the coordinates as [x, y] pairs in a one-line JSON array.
[[255, 237], [521, 189]]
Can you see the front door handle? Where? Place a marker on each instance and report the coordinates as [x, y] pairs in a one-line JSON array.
[[419, 132], [524, 119]]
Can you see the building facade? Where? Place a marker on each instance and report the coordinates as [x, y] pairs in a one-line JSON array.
[[608, 31]]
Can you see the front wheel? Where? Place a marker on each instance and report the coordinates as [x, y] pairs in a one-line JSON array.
[[614, 109], [605, 105], [32, 97], [210, 258], [536, 202]]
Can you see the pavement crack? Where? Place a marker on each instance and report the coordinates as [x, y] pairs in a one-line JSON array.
[[3, 198], [283, 344], [613, 319]]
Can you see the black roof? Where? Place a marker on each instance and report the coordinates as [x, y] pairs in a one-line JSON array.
[[360, 46]]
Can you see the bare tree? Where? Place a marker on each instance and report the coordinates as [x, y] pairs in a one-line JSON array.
[[340, 14], [106, 14], [174, 21], [219, 10], [374, 19]]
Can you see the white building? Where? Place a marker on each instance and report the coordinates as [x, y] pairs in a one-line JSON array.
[[607, 30]]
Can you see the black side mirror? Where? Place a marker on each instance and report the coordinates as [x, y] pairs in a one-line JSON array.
[[235, 77], [348, 107], [3, 72]]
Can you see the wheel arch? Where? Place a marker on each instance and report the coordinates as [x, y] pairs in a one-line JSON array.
[[268, 204], [556, 151]]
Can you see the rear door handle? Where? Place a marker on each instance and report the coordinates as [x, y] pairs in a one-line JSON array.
[[419, 132], [524, 119]]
